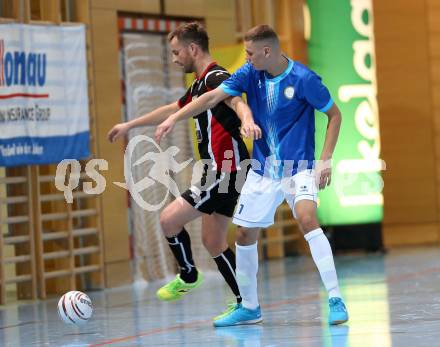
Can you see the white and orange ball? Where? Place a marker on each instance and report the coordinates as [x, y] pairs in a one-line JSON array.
[[75, 308]]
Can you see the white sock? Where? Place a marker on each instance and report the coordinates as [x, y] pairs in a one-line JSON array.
[[323, 258], [246, 272]]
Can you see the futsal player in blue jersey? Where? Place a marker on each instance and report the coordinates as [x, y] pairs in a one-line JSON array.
[[282, 95]]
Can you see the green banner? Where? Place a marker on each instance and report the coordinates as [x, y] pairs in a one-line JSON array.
[[341, 50]]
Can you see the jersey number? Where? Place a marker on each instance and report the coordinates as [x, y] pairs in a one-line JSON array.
[[240, 208]]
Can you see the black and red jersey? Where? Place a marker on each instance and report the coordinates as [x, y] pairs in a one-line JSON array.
[[218, 128]]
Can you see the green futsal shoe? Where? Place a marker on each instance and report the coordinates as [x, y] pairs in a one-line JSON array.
[[231, 307], [178, 288]]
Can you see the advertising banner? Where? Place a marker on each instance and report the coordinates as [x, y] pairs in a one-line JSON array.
[[341, 50], [44, 111]]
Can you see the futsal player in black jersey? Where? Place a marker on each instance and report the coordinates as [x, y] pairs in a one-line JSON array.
[[219, 140]]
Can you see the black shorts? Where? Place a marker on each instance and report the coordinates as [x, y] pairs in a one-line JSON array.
[[216, 192]]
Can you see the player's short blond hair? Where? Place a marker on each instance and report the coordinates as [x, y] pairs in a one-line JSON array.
[[262, 33]]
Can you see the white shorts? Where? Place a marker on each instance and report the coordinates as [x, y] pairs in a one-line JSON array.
[[261, 196]]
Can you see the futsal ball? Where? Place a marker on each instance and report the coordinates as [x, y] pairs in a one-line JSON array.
[[75, 308]]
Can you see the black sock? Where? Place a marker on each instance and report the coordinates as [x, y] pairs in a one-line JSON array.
[[226, 265], [181, 247]]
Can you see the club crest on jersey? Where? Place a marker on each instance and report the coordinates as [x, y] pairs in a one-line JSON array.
[[289, 92]]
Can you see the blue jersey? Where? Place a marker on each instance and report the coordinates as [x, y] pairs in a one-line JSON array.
[[283, 107]]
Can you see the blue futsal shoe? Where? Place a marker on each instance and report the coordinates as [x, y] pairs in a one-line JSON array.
[[338, 312], [239, 316]]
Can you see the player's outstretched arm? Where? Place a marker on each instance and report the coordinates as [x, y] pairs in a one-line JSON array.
[[248, 126], [323, 170], [201, 104], [154, 117]]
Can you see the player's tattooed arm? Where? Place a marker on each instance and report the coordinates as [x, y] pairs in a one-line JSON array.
[[201, 104], [248, 126]]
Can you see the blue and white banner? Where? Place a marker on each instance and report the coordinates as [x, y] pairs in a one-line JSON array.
[[44, 110]]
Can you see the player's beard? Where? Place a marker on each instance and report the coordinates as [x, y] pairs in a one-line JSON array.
[[189, 68]]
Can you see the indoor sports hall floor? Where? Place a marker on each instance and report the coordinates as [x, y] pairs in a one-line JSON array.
[[393, 300]]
